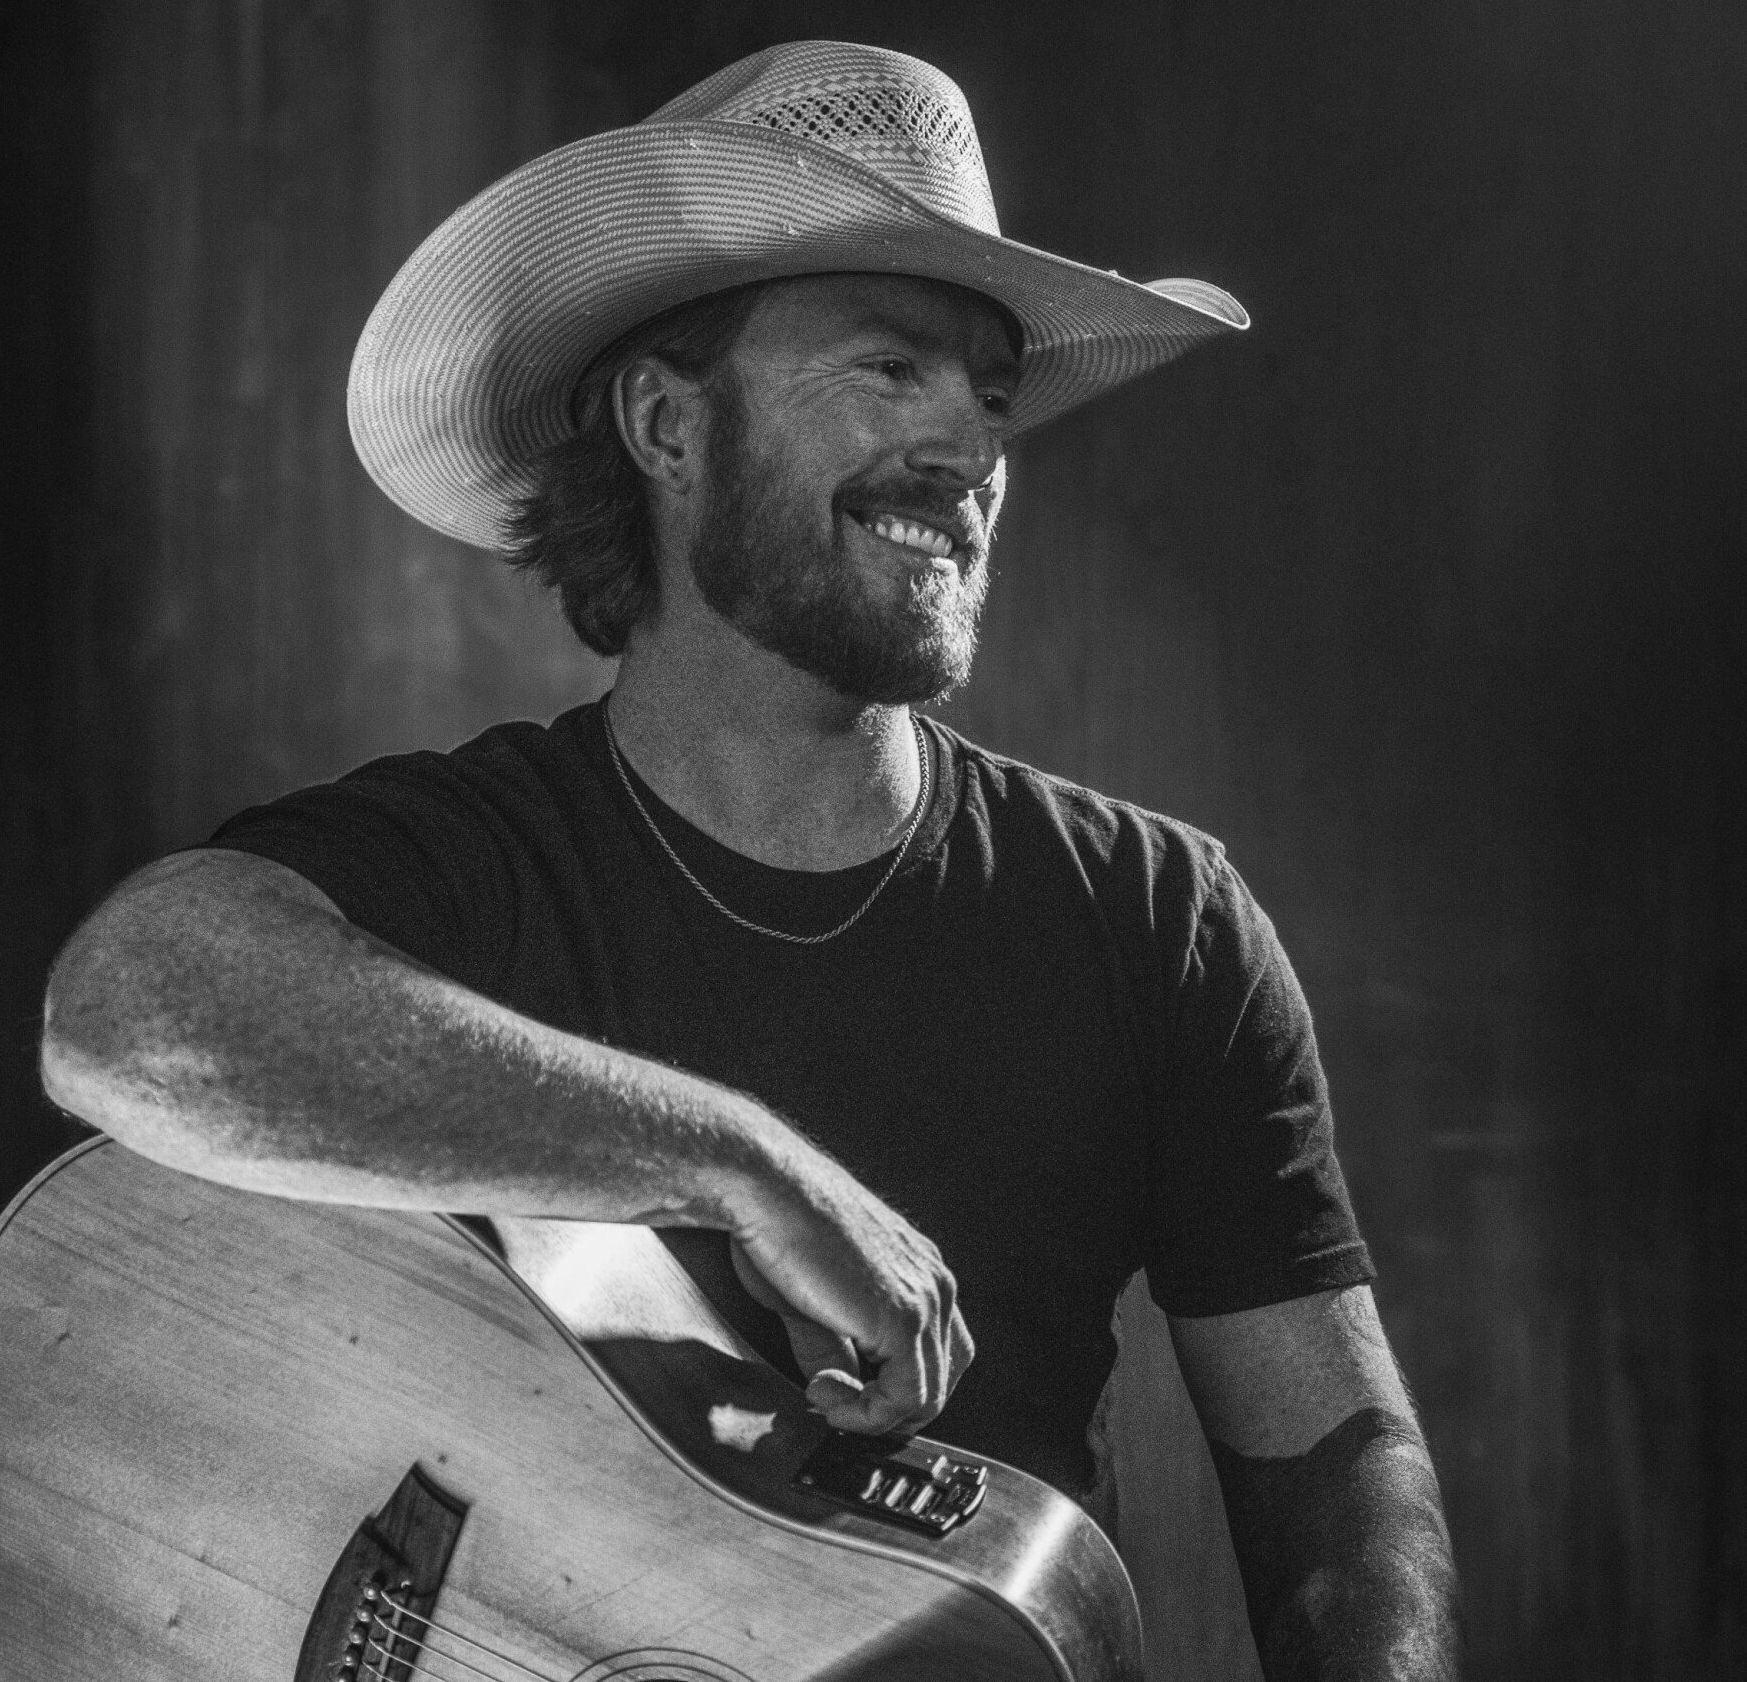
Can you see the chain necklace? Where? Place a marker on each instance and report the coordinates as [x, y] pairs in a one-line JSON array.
[[848, 922]]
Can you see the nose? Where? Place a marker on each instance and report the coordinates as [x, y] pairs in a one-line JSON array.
[[958, 444]]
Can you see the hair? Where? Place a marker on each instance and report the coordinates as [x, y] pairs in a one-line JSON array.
[[583, 529]]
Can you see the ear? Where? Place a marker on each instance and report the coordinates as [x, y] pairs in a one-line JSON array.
[[660, 416]]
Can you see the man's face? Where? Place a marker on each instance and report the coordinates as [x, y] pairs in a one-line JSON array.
[[854, 472]]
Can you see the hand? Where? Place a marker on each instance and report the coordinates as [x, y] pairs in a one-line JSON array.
[[870, 1305]]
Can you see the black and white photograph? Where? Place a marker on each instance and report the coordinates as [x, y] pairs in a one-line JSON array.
[[872, 842]]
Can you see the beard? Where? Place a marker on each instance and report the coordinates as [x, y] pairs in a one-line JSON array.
[[760, 562]]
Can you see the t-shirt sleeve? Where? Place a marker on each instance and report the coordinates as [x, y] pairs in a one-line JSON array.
[[410, 849], [1250, 1203]]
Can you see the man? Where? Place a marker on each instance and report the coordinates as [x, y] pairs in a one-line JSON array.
[[749, 947]]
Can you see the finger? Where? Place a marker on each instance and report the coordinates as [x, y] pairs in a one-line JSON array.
[[862, 1410], [962, 1351], [834, 1394], [942, 1353], [902, 1396], [885, 1401], [818, 1349], [946, 1362], [939, 1345], [932, 1363]]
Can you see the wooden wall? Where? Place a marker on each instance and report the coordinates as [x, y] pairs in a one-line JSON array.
[[1417, 596]]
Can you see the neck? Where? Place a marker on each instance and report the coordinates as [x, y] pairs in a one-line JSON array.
[[763, 758]]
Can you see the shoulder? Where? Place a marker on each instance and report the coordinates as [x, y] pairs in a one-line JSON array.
[[513, 763], [512, 782], [517, 747], [445, 855], [1111, 841]]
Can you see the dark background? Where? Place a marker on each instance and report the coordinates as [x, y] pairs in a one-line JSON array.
[[1419, 595]]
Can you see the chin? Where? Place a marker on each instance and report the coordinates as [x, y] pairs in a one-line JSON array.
[[893, 672]]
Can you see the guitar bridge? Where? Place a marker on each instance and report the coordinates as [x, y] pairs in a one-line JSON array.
[[371, 1616], [896, 1480]]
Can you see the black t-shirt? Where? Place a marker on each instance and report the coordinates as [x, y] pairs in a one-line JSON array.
[[1063, 1041]]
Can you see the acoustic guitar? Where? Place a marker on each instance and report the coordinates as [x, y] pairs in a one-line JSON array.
[[249, 1440]]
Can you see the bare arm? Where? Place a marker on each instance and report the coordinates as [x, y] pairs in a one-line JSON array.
[[1333, 1504], [219, 1015]]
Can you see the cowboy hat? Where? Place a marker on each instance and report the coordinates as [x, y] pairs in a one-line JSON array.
[[812, 157]]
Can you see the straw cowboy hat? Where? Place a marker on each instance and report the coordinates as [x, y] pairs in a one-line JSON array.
[[813, 157]]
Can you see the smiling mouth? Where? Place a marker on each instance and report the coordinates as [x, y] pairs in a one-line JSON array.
[[909, 534]]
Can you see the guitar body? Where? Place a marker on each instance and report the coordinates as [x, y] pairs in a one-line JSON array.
[[233, 1428]]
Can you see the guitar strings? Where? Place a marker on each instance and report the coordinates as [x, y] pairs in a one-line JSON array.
[[390, 1626], [434, 1628], [416, 1665], [376, 1668], [467, 1640], [477, 1646], [382, 1659]]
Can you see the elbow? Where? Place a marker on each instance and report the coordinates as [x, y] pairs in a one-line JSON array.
[[81, 1087], [69, 1057], [101, 1056], [154, 1014], [82, 1058], [64, 1074]]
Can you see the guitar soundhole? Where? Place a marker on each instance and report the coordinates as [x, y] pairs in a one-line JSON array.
[[660, 1664]]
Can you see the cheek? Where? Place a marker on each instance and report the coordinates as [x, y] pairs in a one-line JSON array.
[[841, 430], [814, 450]]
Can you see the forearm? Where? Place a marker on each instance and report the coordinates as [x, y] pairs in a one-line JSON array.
[[221, 1018], [1345, 1557]]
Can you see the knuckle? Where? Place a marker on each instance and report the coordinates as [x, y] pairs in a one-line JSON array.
[[919, 1311]]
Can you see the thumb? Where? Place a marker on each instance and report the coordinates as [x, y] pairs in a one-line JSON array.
[[835, 1394], [826, 1358], [823, 1356]]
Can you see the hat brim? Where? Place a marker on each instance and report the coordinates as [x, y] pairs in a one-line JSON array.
[[467, 366]]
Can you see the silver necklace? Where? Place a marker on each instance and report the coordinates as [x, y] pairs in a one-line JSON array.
[[848, 922]]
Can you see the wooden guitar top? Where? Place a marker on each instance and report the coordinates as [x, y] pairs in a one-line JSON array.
[[205, 1393]]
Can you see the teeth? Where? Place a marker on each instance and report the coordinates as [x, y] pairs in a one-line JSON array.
[[911, 535]]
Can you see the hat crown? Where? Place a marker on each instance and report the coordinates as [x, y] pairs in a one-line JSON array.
[[888, 111]]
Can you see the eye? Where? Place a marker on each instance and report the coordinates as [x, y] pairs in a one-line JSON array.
[[997, 403], [891, 367]]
